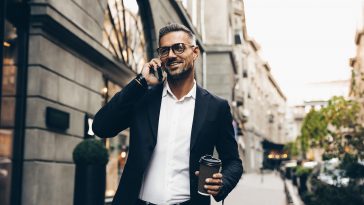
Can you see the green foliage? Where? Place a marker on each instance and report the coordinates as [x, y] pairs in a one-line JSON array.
[[335, 128], [325, 194], [354, 171], [355, 142], [352, 168], [324, 128], [291, 148], [90, 152], [314, 129], [341, 113], [347, 160], [300, 170]]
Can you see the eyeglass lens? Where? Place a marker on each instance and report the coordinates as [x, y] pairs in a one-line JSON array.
[[177, 48]]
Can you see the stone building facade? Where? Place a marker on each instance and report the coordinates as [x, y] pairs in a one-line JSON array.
[[263, 107], [357, 74]]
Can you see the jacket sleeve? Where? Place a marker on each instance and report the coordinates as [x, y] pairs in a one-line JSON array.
[[232, 167], [116, 115]]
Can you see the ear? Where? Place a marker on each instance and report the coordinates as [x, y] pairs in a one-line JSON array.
[[196, 52]]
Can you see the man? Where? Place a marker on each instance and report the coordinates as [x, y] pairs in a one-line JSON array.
[[172, 124]]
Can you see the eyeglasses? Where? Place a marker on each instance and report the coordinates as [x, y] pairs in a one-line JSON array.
[[177, 48]]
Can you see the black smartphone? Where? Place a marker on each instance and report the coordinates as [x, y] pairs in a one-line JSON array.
[[158, 74]]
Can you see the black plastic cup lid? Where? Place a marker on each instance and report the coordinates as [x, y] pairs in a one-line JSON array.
[[210, 161]]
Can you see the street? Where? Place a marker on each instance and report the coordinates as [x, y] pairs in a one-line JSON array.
[[252, 190]]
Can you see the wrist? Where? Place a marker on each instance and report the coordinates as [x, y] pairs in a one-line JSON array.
[[141, 81]]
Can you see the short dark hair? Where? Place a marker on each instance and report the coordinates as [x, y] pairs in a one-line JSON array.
[[172, 27]]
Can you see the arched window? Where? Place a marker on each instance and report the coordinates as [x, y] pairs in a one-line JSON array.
[[123, 33]]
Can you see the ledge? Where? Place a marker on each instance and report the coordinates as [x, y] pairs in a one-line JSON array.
[[46, 19]]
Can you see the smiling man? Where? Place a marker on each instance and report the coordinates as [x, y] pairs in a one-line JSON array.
[[172, 124]]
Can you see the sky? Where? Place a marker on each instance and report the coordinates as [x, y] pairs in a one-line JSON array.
[[307, 43]]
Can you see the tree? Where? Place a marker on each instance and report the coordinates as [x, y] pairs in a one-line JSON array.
[[342, 116], [341, 113], [291, 149], [333, 128], [336, 129], [313, 130]]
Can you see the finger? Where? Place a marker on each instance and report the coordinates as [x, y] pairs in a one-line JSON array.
[[213, 181], [153, 65], [146, 67], [197, 173], [212, 187], [217, 176], [157, 61]]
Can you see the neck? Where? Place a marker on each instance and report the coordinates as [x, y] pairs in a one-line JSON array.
[[180, 87]]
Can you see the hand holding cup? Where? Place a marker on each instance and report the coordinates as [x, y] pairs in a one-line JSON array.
[[209, 176], [213, 185]]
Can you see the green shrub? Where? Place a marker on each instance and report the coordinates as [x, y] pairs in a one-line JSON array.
[[352, 168], [355, 170], [325, 194], [302, 170], [90, 152]]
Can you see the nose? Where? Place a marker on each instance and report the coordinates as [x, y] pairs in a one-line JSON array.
[[171, 54]]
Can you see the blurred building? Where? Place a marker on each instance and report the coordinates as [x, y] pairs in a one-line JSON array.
[[263, 106], [357, 74], [235, 71]]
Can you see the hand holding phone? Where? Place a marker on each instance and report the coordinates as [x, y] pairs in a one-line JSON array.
[[158, 74], [153, 72]]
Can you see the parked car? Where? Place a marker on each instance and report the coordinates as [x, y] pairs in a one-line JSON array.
[[330, 173]]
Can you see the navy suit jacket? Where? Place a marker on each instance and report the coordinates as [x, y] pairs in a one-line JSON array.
[[138, 109]]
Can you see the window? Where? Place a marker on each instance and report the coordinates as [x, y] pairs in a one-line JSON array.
[[10, 50], [117, 148], [123, 33]]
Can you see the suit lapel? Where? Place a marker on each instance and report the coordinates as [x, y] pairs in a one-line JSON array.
[[154, 106], [201, 107]]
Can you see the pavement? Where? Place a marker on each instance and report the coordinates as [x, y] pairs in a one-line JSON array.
[[255, 189]]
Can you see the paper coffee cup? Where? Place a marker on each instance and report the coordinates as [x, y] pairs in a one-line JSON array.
[[208, 167]]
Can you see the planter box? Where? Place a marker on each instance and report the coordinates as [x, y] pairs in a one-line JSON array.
[[90, 182]]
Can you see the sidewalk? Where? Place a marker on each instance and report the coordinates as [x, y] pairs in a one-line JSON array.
[[253, 190]]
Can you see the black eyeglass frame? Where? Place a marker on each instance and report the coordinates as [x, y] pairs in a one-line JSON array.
[[174, 49]]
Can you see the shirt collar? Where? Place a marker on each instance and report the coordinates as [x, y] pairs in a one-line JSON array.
[[167, 90]]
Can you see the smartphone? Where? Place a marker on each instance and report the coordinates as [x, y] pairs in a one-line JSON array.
[[158, 74]]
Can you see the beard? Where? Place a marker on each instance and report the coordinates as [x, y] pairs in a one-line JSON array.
[[178, 73]]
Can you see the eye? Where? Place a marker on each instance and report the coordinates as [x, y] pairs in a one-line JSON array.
[[178, 48], [163, 50]]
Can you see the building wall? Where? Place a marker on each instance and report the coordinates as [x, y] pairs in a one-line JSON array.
[[61, 78], [357, 82], [217, 22], [219, 48], [264, 106], [220, 75]]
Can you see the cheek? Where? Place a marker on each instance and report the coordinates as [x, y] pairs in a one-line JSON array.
[[163, 61]]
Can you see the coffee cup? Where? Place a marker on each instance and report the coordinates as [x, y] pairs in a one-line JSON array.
[[208, 166]]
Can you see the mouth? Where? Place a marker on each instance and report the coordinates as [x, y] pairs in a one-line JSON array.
[[173, 64]]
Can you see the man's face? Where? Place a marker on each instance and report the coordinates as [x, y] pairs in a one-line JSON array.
[[178, 64]]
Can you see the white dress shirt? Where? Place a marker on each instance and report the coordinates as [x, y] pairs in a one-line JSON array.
[[167, 178]]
